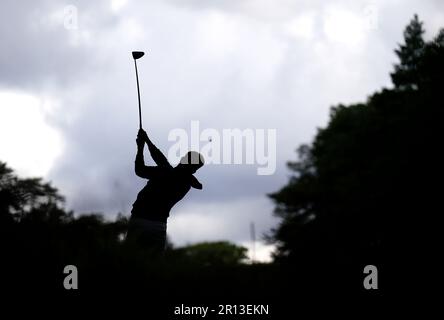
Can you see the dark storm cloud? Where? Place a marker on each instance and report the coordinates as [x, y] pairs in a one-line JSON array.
[[32, 49]]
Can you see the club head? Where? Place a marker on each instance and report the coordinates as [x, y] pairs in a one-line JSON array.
[[138, 54]]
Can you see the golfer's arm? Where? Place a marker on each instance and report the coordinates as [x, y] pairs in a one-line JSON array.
[[157, 155], [195, 183], [143, 171], [139, 163]]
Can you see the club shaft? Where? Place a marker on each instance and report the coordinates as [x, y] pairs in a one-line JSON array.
[[138, 95]]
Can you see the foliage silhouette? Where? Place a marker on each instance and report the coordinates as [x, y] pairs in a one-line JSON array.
[[38, 235], [363, 188], [222, 253]]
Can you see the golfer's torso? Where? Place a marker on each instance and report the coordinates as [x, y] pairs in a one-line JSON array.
[[156, 199]]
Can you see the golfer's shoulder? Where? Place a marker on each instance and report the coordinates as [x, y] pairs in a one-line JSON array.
[[158, 171], [167, 170]]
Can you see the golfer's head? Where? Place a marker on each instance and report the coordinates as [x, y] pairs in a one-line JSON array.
[[192, 161]]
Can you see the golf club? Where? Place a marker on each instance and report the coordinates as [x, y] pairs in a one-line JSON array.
[[138, 55]]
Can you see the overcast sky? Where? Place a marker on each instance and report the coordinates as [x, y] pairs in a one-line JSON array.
[[68, 102]]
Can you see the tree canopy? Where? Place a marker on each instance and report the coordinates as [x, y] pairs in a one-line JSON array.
[[365, 184]]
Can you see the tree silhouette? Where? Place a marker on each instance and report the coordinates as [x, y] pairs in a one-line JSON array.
[[364, 186], [38, 238], [221, 253], [18, 197], [410, 54]]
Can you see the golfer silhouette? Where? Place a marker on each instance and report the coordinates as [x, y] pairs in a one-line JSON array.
[[166, 186]]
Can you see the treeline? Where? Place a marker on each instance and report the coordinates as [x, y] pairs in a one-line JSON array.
[[366, 190], [37, 233]]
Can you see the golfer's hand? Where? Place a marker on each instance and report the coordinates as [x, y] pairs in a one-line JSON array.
[[140, 141], [142, 135]]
